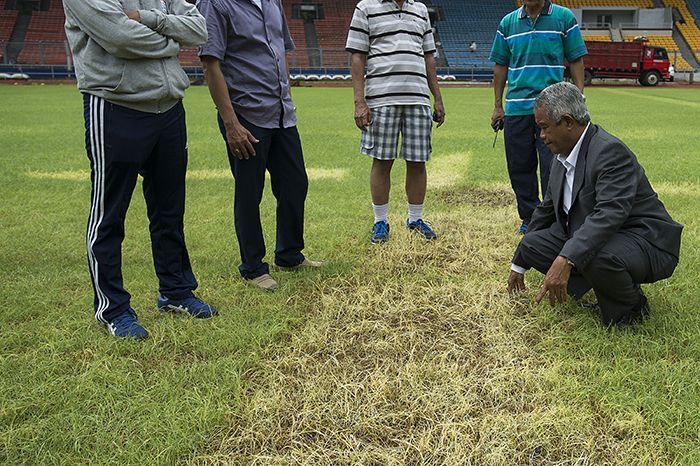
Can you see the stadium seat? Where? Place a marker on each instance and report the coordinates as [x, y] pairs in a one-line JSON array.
[[689, 28], [332, 32], [465, 22], [7, 23]]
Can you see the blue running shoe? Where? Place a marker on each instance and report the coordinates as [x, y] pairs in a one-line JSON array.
[[422, 227], [192, 306], [523, 228], [126, 325], [380, 232]]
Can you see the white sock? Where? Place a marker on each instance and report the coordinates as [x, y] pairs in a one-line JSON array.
[[415, 212], [381, 213]]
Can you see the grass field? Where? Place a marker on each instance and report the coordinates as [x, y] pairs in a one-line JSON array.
[[401, 354]]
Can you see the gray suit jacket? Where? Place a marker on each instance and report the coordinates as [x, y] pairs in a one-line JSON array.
[[611, 193]]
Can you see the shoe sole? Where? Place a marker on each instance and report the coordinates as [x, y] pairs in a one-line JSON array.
[[171, 310], [421, 233], [280, 268], [134, 337]]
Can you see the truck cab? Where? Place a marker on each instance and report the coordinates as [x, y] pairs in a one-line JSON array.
[[656, 66]]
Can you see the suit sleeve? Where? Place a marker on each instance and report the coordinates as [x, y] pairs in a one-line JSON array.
[[105, 22], [615, 176], [182, 23]]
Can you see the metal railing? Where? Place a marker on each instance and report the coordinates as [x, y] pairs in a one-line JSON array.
[[338, 58], [53, 59], [58, 54], [36, 53]]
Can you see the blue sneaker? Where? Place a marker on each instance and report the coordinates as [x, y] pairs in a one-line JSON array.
[[523, 227], [126, 325], [192, 306], [380, 232], [422, 227]]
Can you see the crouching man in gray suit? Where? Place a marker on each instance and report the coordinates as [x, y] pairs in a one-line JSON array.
[[600, 225]]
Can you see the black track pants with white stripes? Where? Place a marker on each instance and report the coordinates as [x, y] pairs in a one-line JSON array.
[[121, 144]]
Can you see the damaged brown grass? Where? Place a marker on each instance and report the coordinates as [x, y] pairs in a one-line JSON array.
[[408, 361]]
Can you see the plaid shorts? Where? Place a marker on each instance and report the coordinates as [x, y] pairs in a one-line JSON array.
[[413, 122]]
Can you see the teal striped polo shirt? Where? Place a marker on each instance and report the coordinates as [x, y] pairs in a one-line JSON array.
[[535, 54]]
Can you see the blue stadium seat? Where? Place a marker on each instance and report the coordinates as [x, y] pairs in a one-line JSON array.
[[465, 22], [694, 7]]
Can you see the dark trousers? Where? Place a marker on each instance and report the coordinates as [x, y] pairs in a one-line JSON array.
[[279, 152], [121, 144], [523, 143], [614, 273]]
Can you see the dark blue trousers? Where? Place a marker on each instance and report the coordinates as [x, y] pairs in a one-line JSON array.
[[523, 143], [122, 144], [279, 152]]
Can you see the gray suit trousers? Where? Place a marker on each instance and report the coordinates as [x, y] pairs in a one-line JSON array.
[[614, 273]]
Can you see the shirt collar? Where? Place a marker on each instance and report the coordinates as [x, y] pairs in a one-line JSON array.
[[407, 1], [546, 10], [570, 161]]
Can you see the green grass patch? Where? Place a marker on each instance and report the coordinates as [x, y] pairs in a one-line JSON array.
[[407, 353]]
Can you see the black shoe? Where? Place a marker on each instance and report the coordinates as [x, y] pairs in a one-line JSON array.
[[637, 314], [590, 306]]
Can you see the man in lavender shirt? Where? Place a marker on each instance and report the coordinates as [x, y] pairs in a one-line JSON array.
[[245, 68]]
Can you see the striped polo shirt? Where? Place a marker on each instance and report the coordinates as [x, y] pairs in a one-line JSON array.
[[535, 54], [395, 41]]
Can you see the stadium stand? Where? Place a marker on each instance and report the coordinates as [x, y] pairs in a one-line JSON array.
[[7, 22], [332, 31], [300, 57], [45, 40], [689, 28], [476, 21], [470, 21], [694, 7]]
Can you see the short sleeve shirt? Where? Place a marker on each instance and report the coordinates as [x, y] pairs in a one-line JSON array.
[[395, 41], [535, 53], [251, 43]]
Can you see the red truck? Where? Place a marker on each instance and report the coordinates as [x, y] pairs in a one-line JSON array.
[[647, 63]]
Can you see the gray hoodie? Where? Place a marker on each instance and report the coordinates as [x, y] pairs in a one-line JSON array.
[[130, 63]]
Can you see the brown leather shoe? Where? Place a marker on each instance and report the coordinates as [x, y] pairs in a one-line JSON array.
[[306, 263], [265, 282]]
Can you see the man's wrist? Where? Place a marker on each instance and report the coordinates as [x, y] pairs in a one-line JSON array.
[[518, 269]]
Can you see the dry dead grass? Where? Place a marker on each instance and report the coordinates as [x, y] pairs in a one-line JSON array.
[[419, 358]]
